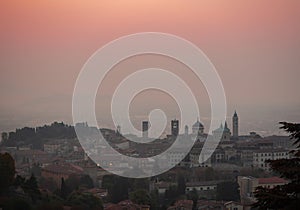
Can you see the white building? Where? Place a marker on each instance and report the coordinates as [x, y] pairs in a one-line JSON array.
[[260, 156], [197, 128]]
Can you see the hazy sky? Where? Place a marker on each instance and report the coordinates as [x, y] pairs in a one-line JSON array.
[[254, 45]]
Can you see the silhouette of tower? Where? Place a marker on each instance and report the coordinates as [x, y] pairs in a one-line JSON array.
[[174, 127], [186, 130], [235, 126], [119, 129], [145, 127]]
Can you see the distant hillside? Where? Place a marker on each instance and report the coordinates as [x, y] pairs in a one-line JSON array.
[[36, 136]]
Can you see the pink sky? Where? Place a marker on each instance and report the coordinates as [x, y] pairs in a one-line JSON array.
[[255, 46]]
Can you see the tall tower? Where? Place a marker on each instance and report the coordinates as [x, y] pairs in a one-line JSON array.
[[186, 130], [145, 127], [118, 129], [235, 126], [174, 127]]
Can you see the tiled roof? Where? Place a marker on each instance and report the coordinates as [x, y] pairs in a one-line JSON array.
[[64, 168], [272, 180]]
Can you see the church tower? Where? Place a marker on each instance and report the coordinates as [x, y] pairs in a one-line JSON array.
[[235, 126], [175, 127]]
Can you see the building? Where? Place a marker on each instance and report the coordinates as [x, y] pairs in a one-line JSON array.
[[60, 169], [52, 148], [235, 126], [175, 156], [126, 204], [232, 205], [201, 186], [118, 131], [145, 128], [210, 205], [186, 130], [175, 127], [223, 132], [248, 185], [197, 154], [198, 128], [182, 205], [260, 156]]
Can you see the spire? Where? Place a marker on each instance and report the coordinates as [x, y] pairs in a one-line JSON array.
[[225, 125], [235, 114]]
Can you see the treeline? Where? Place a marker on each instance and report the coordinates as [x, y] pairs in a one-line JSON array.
[[35, 136], [17, 192], [141, 191]]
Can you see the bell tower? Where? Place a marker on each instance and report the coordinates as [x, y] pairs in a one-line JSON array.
[[235, 126]]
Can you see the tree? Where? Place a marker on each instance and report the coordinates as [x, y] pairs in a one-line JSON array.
[[228, 191], [4, 136], [181, 184], [119, 190], [17, 203], [193, 195], [30, 187], [7, 171], [140, 197], [64, 191], [107, 181], [84, 201], [47, 183], [86, 181], [140, 184], [73, 182], [171, 193], [154, 200], [19, 181], [285, 196]]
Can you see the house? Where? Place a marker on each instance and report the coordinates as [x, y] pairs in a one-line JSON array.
[[59, 169], [260, 156], [232, 205], [182, 205], [126, 205], [210, 205], [249, 184]]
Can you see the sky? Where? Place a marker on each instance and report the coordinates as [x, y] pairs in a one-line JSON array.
[[254, 45]]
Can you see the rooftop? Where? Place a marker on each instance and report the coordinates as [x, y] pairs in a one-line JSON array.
[[272, 180]]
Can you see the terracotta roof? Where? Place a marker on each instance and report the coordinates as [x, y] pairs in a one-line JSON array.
[[183, 202], [64, 168], [272, 180]]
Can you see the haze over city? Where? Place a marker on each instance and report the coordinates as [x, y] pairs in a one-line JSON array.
[[255, 48]]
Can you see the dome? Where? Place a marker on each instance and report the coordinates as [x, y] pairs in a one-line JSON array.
[[222, 129], [198, 124]]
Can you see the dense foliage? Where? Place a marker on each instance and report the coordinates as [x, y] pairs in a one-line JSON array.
[[285, 196], [36, 136]]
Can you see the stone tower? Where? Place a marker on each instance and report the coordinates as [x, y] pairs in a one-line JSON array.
[[235, 126]]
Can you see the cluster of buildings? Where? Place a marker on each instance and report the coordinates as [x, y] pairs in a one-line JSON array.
[[60, 158], [248, 185], [240, 151], [198, 129]]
